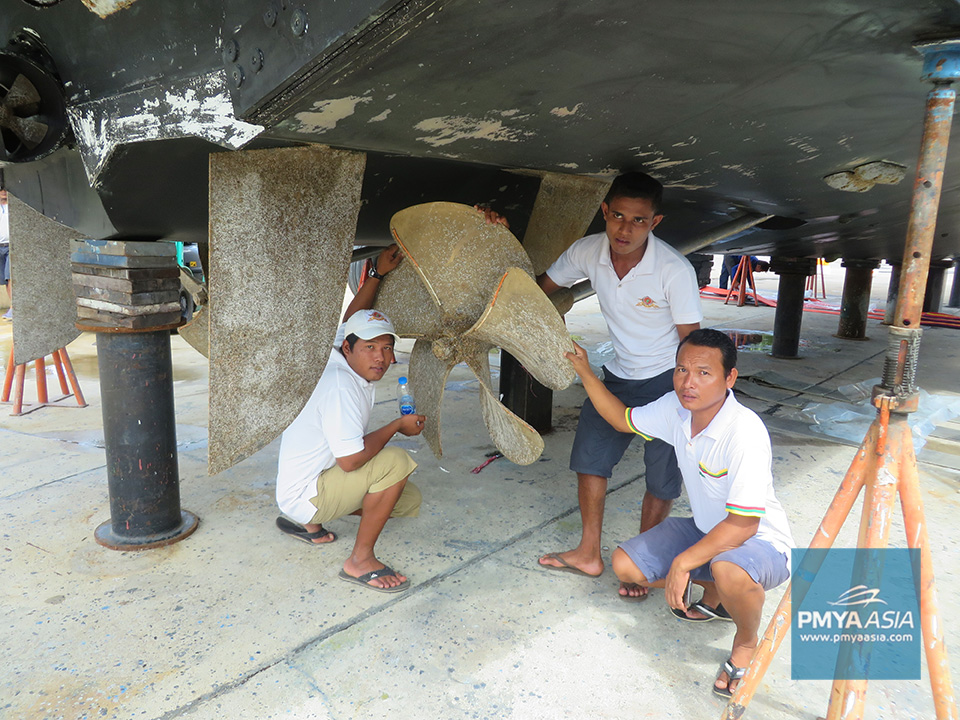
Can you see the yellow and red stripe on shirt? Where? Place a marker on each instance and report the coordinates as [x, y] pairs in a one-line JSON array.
[[634, 427], [715, 475], [746, 510]]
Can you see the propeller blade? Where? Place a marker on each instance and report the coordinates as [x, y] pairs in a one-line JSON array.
[[404, 299], [562, 300], [428, 377], [29, 130], [197, 331], [517, 440], [22, 93], [522, 320], [458, 255]]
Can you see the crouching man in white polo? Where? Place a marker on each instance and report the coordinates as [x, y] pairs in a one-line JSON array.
[[737, 544], [331, 466]]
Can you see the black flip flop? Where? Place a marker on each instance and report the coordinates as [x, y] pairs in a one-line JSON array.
[[364, 580], [734, 673], [717, 613], [300, 533], [565, 566]]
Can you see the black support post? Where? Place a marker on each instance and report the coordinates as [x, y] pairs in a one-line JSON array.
[[128, 292], [523, 395], [136, 380], [855, 304], [933, 296], [793, 274], [893, 291], [955, 288]]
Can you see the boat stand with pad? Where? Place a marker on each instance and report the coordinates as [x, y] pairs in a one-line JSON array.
[[885, 464]]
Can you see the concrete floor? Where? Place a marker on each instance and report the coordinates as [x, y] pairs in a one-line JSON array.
[[240, 621]]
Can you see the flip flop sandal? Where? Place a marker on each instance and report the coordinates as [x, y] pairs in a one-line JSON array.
[[565, 566], [364, 580], [717, 613], [300, 533], [733, 672]]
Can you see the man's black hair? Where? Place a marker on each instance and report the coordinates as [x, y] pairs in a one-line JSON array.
[[708, 337], [636, 185], [351, 341]]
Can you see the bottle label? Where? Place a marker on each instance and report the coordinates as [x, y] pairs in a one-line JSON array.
[[406, 409]]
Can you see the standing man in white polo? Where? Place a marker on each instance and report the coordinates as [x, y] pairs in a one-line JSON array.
[[650, 300], [331, 466]]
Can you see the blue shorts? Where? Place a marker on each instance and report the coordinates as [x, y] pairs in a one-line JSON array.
[[597, 447], [654, 551], [4, 264]]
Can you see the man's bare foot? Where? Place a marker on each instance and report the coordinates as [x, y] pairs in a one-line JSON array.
[[358, 569], [572, 561], [323, 539], [740, 659], [694, 614], [633, 591]]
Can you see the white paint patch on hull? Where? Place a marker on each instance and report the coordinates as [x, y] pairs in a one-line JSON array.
[[103, 8], [451, 128], [325, 114], [197, 107]]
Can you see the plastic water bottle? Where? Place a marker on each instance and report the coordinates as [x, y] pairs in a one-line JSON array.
[[405, 398]]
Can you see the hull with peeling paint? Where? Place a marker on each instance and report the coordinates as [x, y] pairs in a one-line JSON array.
[[737, 108]]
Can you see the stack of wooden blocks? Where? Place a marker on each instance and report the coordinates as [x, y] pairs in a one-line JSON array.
[[126, 284]]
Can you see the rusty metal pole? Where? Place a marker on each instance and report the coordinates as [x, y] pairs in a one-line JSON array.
[[941, 66]]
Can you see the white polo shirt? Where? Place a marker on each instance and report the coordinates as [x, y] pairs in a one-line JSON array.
[[4, 224], [726, 468], [331, 425], [643, 309]]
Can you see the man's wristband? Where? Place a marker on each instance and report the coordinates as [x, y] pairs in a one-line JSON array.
[[372, 272]]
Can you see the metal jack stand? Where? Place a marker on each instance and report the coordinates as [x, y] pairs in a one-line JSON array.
[[885, 464], [16, 374], [741, 280]]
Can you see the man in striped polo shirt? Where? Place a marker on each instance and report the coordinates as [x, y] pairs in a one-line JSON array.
[[736, 546]]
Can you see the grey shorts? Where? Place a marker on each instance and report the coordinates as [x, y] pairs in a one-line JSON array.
[[4, 264], [597, 447], [654, 551]]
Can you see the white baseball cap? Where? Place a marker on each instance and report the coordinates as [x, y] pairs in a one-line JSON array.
[[368, 324]]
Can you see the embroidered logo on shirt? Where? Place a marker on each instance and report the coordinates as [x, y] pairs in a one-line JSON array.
[[648, 302]]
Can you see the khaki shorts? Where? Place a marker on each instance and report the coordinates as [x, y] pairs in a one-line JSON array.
[[340, 493]]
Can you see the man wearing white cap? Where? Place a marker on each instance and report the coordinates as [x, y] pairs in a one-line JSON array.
[[331, 466]]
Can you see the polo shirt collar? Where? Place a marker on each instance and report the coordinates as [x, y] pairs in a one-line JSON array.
[[337, 358], [723, 419], [648, 263]]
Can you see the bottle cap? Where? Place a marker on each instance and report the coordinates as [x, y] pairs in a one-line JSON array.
[[402, 380]]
